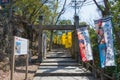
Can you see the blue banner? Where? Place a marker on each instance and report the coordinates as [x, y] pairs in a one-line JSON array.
[[105, 41]]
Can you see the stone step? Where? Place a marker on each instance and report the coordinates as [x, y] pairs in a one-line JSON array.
[[64, 78], [58, 57], [59, 64], [59, 67], [59, 60], [63, 74]]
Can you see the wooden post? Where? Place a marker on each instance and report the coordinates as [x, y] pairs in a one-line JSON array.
[[13, 57], [77, 48], [76, 23], [12, 60], [101, 74], [93, 69], [73, 46], [27, 63], [40, 40]]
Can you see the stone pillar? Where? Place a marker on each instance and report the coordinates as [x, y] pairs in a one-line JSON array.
[[44, 46]]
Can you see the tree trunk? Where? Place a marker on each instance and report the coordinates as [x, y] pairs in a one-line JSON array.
[[106, 10]]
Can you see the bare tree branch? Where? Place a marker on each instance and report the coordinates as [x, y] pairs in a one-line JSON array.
[[61, 12], [106, 6], [98, 5], [106, 10]]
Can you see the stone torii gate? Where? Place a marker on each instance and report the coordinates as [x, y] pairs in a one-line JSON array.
[[75, 48]]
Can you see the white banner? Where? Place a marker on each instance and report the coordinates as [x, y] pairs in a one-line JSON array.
[[20, 46], [110, 61], [105, 40], [88, 51]]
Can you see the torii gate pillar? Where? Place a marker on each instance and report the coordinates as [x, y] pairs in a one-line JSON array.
[[40, 39], [76, 48]]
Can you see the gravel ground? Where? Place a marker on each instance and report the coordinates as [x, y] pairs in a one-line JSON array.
[[19, 73]]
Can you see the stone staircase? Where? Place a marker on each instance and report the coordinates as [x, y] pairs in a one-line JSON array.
[[59, 65]]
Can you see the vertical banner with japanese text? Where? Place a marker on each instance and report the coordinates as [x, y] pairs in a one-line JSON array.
[[105, 41], [84, 44]]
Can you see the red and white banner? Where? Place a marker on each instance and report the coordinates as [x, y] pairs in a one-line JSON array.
[[84, 44]]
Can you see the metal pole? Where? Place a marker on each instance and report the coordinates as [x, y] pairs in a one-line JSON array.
[[75, 7]]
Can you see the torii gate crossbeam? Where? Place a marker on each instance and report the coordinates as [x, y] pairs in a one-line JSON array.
[[58, 27]]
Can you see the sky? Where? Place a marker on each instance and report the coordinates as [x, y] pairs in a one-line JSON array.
[[88, 13]]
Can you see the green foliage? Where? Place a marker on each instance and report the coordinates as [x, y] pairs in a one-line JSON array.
[[65, 22], [54, 11], [30, 10], [93, 38], [82, 23], [94, 44], [113, 8], [115, 12]]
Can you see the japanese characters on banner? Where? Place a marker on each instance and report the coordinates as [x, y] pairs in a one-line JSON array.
[[105, 41], [84, 44], [20, 46]]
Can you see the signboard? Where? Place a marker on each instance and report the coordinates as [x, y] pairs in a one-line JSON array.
[[2, 2], [84, 44], [105, 41], [20, 46]]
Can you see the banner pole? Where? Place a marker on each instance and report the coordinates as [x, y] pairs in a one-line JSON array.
[[93, 69]]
